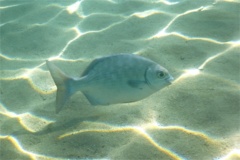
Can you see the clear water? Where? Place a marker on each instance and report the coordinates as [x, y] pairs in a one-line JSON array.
[[195, 118]]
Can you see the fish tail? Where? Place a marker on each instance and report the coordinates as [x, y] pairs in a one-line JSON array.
[[63, 83]]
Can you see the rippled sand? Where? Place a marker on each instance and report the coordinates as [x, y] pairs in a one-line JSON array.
[[195, 118]]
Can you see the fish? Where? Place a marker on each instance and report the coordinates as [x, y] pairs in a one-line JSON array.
[[114, 79]]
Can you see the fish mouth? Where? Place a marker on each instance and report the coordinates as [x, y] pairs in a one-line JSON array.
[[170, 79]]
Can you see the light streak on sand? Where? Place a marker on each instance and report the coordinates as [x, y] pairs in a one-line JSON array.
[[232, 155], [196, 71], [214, 57], [168, 2], [27, 120], [139, 130], [188, 73], [146, 13], [197, 38], [14, 141], [235, 1], [78, 34], [10, 6], [29, 75], [163, 31], [142, 130], [73, 7]]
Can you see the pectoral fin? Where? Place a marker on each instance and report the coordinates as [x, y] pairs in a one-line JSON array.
[[136, 84]]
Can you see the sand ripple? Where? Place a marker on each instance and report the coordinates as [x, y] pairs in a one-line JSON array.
[[197, 117]]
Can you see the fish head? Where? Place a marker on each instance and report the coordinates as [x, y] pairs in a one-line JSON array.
[[158, 77]]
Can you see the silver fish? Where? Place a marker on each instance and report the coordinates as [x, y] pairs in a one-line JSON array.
[[120, 78]]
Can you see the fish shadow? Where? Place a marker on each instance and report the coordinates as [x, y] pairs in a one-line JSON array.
[[62, 126]]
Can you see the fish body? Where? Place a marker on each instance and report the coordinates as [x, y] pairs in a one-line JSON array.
[[112, 79]]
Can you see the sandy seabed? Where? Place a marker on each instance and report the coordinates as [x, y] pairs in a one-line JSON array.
[[195, 118]]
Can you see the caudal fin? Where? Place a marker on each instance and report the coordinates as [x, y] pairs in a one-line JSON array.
[[63, 85]]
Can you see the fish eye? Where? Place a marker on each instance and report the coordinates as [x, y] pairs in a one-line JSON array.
[[160, 74]]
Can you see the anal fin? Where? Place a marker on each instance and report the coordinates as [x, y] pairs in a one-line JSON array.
[[92, 100]]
